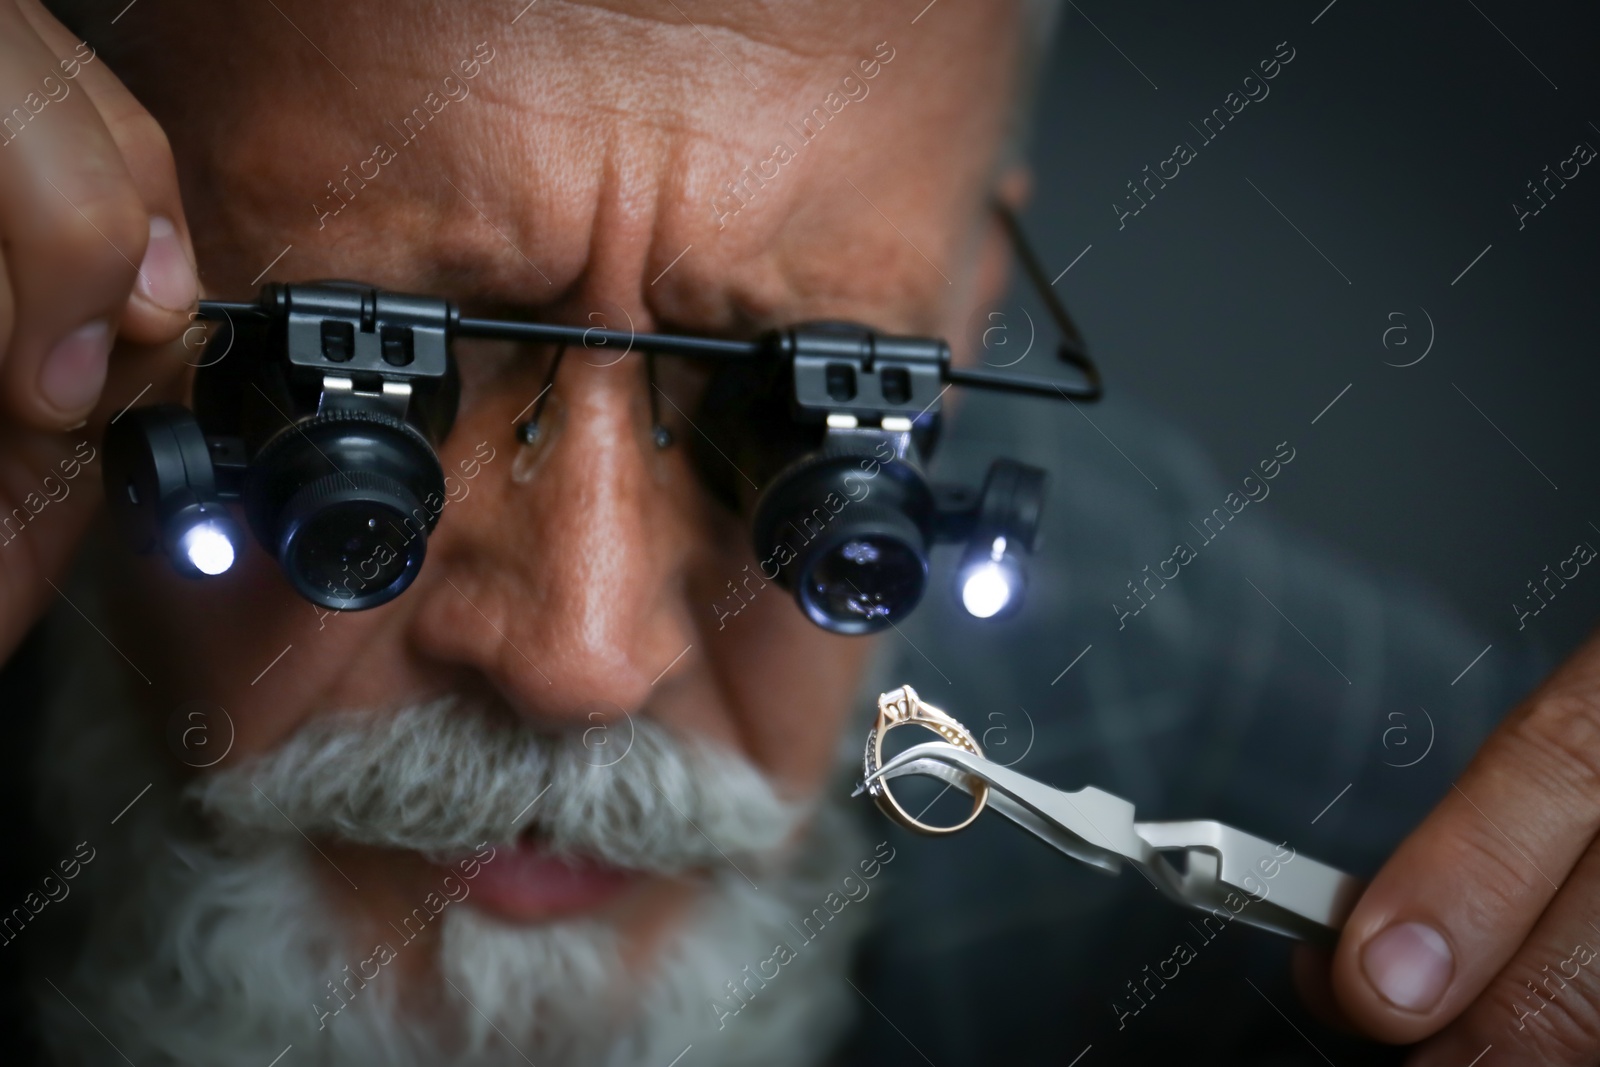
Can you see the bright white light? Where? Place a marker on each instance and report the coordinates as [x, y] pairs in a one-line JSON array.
[[986, 590], [207, 548]]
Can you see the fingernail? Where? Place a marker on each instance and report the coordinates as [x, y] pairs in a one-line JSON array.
[[165, 277], [1409, 965], [75, 369]]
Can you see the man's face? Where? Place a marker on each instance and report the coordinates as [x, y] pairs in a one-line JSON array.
[[567, 159]]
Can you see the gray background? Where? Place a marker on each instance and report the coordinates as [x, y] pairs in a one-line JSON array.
[[1396, 141]]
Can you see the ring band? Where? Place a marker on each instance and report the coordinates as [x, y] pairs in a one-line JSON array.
[[902, 707]]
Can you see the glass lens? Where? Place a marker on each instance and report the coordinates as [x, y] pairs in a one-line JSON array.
[[351, 549], [866, 581]]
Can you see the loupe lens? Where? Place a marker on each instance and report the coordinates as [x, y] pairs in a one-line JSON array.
[[848, 534], [353, 550], [346, 501], [863, 583]]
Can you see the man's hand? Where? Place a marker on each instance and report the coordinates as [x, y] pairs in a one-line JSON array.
[[1484, 927], [93, 249]]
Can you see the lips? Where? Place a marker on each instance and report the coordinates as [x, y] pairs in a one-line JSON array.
[[525, 883]]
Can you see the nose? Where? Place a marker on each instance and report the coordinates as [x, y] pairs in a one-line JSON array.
[[557, 573]]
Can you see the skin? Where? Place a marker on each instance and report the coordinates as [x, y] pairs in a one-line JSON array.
[[574, 574]]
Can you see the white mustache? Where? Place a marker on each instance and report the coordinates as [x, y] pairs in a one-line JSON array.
[[442, 777]]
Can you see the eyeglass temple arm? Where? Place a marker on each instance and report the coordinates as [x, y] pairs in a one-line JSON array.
[[1072, 349]]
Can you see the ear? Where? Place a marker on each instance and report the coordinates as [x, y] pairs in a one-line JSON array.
[[1013, 188]]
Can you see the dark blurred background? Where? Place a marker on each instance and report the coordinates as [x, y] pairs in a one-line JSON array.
[[1396, 141]]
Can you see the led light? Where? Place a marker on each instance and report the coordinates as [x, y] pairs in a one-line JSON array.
[[986, 591], [207, 548], [990, 583]]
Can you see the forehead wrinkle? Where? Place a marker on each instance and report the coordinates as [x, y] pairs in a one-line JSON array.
[[570, 132], [780, 27], [629, 184]]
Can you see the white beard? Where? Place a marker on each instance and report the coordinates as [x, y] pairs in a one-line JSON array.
[[193, 948]]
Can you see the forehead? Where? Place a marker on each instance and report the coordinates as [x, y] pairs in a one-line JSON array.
[[816, 153]]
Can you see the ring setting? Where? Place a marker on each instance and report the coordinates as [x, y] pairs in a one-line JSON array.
[[902, 707]]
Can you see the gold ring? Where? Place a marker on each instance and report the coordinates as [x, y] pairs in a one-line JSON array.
[[902, 707]]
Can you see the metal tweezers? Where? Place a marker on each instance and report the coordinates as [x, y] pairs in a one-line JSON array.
[[1251, 879]]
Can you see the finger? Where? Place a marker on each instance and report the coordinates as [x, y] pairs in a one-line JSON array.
[[74, 228], [51, 487], [1452, 905], [167, 286], [1543, 1008]]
